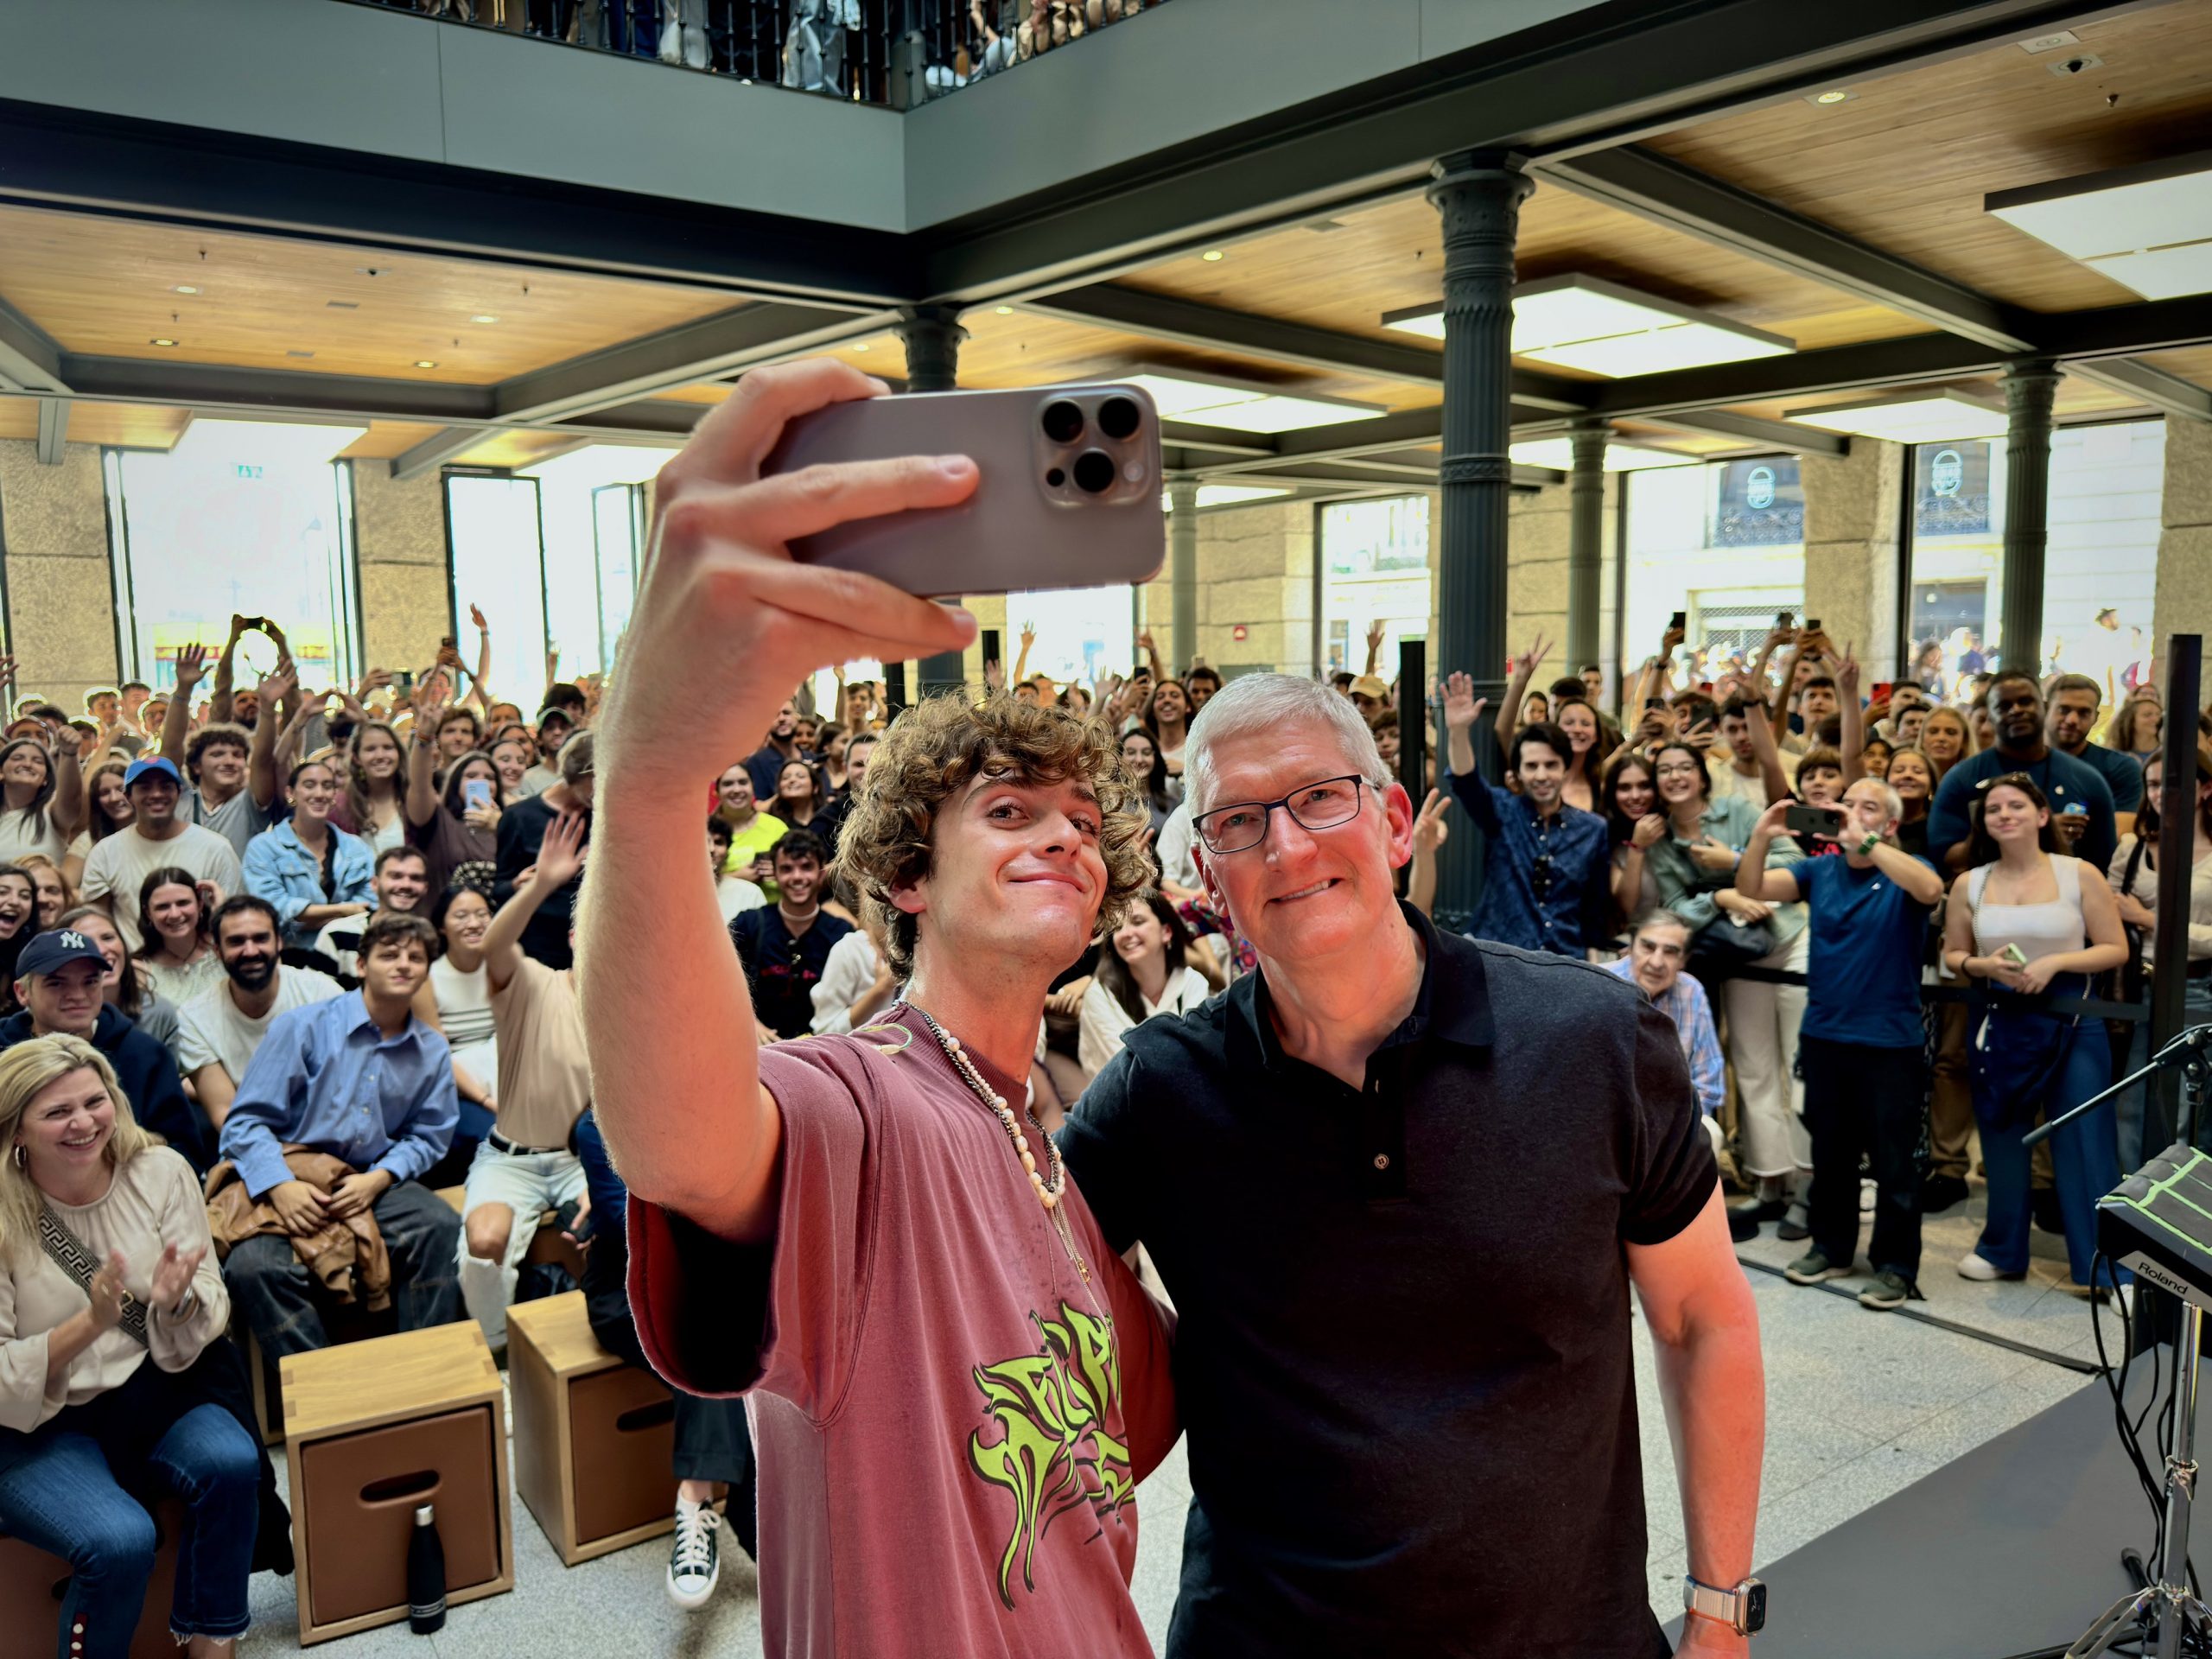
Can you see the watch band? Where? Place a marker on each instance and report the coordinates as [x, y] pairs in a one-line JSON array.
[[1742, 1609]]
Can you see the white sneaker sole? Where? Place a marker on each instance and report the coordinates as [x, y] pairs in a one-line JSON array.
[[690, 1600]]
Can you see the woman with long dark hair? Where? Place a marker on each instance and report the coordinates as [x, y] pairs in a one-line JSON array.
[[2025, 919], [1167, 718], [1141, 759], [41, 797], [18, 922], [175, 932], [454, 820], [1630, 800], [2134, 879], [370, 806], [801, 796], [108, 808], [1144, 970], [1912, 774]]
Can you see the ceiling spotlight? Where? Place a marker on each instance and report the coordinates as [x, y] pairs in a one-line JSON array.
[[184, 288], [481, 317], [1211, 256], [1003, 310], [862, 347], [160, 339], [424, 363], [1831, 97]]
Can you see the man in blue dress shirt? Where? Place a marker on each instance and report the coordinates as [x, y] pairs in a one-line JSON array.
[[360, 1078], [1543, 859]]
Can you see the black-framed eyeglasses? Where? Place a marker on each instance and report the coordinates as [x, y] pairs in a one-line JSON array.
[[1316, 806]]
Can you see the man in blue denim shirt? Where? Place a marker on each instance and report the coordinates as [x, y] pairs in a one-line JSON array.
[[1542, 856], [360, 1078]]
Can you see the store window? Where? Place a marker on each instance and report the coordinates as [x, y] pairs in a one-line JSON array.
[[1374, 568], [239, 518], [499, 564], [2099, 568], [1722, 541]]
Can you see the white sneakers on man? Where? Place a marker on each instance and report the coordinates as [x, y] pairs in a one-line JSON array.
[[694, 1559]]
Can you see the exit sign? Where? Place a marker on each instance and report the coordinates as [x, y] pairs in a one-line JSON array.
[[244, 471]]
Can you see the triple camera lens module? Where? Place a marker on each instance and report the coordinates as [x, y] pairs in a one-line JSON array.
[[1063, 422], [1093, 470]]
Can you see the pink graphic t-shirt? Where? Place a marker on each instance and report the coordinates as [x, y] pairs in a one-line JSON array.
[[950, 1417]]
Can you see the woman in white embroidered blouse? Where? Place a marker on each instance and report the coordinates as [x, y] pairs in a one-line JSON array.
[[105, 1265], [1145, 971]]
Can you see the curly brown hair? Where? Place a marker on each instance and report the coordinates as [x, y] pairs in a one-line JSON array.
[[932, 752]]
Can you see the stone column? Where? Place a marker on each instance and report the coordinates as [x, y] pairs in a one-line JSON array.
[[1854, 506], [2185, 595], [1585, 546], [1479, 195], [933, 335], [61, 623], [2030, 384], [405, 570], [1183, 570]]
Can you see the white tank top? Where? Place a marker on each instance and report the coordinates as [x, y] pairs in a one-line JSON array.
[[2045, 930], [465, 1010]]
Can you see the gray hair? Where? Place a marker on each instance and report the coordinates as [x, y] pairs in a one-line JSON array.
[[1659, 916], [576, 759], [1892, 803], [1255, 705]]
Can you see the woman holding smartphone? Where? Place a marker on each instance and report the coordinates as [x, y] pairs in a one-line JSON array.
[[2025, 920], [456, 825]]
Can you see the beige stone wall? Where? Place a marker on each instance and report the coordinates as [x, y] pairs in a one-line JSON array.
[[2185, 601], [1256, 570], [61, 591], [1855, 505], [399, 529]]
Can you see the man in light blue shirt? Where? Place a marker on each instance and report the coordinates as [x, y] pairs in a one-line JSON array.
[[1659, 945], [360, 1079]]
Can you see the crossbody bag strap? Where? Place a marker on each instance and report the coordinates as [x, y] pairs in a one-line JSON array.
[[68, 1252]]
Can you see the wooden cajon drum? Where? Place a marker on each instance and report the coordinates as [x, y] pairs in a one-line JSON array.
[[594, 1437], [372, 1430], [32, 1585]]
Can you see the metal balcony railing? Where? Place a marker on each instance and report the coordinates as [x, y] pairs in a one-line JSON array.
[[895, 53]]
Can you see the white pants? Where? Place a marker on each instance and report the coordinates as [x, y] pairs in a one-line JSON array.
[[1763, 1020], [528, 1185]]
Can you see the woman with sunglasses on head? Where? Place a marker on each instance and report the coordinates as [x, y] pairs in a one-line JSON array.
[[2134, 879], [2026, 919]]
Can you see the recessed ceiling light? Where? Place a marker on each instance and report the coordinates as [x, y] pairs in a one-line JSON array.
[[1602, 327], [1909, 417], [2149, 228], [1003, 310], [1241, 405], [424, 363], [160, 339], [1211, 255], [862, 347], [1834, 95], [1558, 454], [482, 317], [184, 288]]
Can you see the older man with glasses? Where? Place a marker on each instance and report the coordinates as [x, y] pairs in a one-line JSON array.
[[1401, 1231]]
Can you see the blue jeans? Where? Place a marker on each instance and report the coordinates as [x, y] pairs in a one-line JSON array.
[[2085, 1165], [2196, 1009], [58, 1493]]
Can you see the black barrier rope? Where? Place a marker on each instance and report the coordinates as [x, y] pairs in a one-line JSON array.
[[2095, 1007]]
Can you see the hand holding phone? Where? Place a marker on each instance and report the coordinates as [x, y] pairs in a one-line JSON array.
[[476, 793], [1819, 823]]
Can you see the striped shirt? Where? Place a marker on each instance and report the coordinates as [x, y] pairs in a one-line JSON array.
[[1687, 1006]]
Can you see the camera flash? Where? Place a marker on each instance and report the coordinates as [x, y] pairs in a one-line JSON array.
[[1134, 471]]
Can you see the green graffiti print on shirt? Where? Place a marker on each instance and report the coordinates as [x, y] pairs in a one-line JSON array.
[[1054, 1452]]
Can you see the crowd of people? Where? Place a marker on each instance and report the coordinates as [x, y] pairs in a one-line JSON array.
[[276, 966]]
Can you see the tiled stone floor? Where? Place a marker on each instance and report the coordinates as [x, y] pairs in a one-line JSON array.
[[1859, 1405]]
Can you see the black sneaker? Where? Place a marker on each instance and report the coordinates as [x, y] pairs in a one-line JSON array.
[[2043, 1204], [1939, 1192], [1760, 1209], [1742, 1223], [1813, 1269], [1888, 1290]]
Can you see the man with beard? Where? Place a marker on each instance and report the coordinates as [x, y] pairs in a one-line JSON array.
[[784, 945], [2081, 802], [764, 764], [1543, 858], [156, 838], [359, 1078], [218, 1031], [59, 980], [2075, 701], [401, 881]]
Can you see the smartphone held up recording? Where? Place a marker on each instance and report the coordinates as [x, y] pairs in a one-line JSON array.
[[1067, 495], [1824, 822]]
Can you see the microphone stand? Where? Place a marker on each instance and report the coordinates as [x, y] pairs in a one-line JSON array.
[[2165, 1598]]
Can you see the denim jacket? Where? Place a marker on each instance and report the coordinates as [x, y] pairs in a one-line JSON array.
[[282, 871]]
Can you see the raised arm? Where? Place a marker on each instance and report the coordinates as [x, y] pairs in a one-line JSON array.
[[1768, 757], [1430, 832], [1151, 655], [1509, 711], [725, 621], [1374, 644], [68, 809], [421, 804], [279, 690], [1854, 717], [218, 706], [560, 859], [176, 724], [1028, 639], [478, 685], [1753, 880]]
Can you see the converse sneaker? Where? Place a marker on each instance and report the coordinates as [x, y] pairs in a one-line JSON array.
[[693, 1562]]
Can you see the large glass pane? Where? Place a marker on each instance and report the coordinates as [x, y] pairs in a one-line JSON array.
[[2099, 569], [618, 526], [252, 523], [1724, 542], [1083, 634], [590, 509], [1374, 568], [497, 563]]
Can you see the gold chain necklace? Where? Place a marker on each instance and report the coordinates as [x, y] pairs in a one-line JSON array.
[[1048, 1188]]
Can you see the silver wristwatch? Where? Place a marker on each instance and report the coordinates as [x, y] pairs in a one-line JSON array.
[[1742, 1609]]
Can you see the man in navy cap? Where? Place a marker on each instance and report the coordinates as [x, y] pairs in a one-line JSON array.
[[156, 839], [58, 982]]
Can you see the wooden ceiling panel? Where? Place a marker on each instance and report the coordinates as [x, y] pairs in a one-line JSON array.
[[1905, 162], [386, 440], [1390, 259], [2076, 398], [128, 426], [107, 287], [2195, 364], [515, 448]]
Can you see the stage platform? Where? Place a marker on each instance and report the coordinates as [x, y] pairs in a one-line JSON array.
[[2010, 1549]]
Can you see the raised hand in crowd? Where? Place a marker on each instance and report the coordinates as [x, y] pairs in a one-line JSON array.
[[1430, 830], [993, 677], [1462, 708], [191, 663]]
